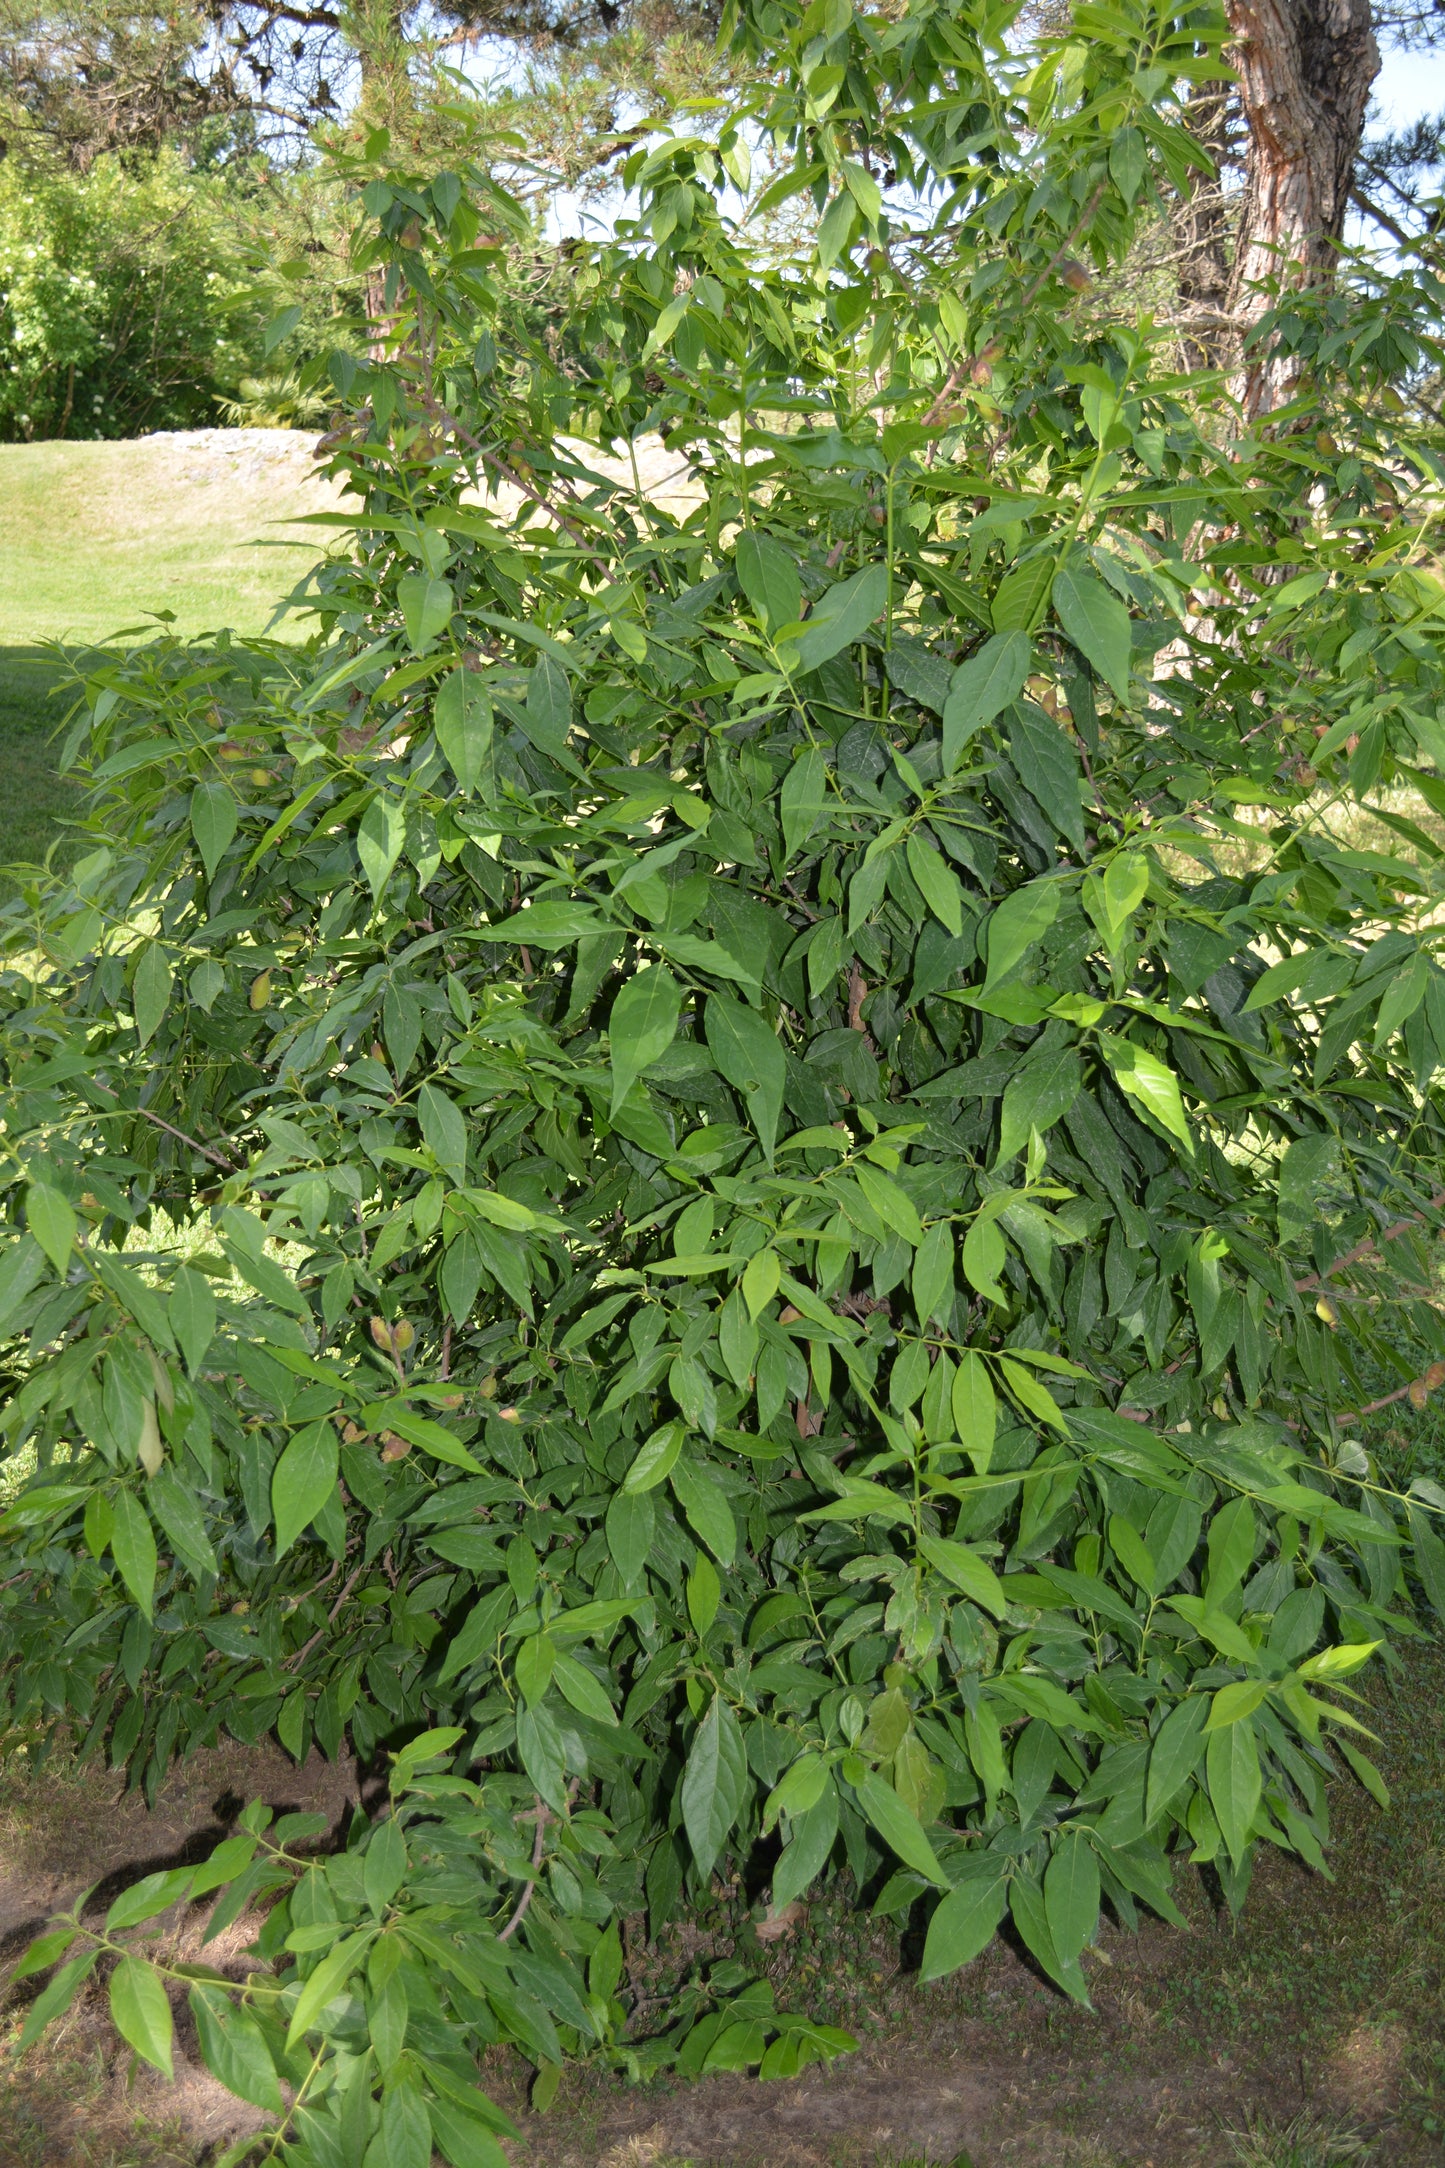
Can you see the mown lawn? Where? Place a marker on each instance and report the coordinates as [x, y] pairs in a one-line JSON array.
[[102, 539]]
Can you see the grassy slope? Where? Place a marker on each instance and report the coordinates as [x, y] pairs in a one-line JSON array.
[[97, 538]]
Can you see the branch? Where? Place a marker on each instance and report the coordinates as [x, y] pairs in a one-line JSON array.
[[217, 1159], [1382, 218], [438, 413], [294, 1663], [542, 1814], [956, 375], [1370, 1244]]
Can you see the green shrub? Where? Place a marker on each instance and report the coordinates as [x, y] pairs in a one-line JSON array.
[[723, 1180], [122, 304]]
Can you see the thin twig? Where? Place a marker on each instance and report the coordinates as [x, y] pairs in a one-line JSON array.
[[294, 1663], [438, 413], [857, 995], [1362, 1250], [542, 1816], [217, 1159], [1373, 1407], [960, 370]]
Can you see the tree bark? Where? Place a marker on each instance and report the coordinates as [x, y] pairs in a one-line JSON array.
[[1305, 70], [1201, 235]]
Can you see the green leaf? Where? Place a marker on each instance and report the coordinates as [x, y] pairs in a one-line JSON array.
[[1023, 595], [982, 688], [1030, 1394], [975, 1409], [769, 577], [984, 1256], [963, 1925], [1030, 1916], [233, 2048], [891, 1202], [433, 1438], [444, 1132], [760, 1280], [707, 1510], [802, 798], [1127, 162], [1021, 920], [715, 1783], [836, 229], [1231, 1704], [463, 721], [1149, 1084], [479, 1635], [57, 1997], [133, 1547], [191, 1309], [379, 841], [461, 2139], [547, 716], [21, 1271], [1048, 768], [179, 1513], [899, 1829], [938, 884], [52, 1222], [326, 1983], [1308, 1172], [426, 608], [44, 1951], [1126, 883], [142, 2012], [534, 1660], [303, 1482], [841, 616], [385, 1863], [813, 1832], [1235, 1783], [1097, 623], [750, 1056], [1134, 1555], [582, 1688], [1038, 1096], [631, 1520], [642, 1026], [1071, 1893], [966, 1570], [657, 1458], [214, 818], [704, 1594], [932, 1282], [151, 991]]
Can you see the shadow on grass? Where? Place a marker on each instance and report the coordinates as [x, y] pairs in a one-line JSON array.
[[35, 801]]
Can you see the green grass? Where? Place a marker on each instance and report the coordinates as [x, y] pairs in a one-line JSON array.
[[98, 539], [36, 800]]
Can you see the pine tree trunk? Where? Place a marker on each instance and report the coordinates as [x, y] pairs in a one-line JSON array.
[[1201, 223], [1305, 70]]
